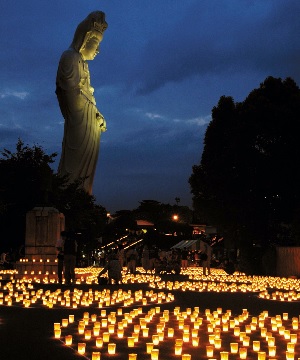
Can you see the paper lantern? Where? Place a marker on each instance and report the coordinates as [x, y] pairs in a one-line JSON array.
[[68, 340], [99, 342], [132, 356], [243, 353], [224, 355], [186, 337], [106, 336], [195, 341], [130, 341], [256, 345], [57, 333], [186, 357], [120, 333], [290, 347], [209, 351], [87, 334], [81, 348], [155, 339], [149, 347], [95, 355], [111, 348], [234, 348], [178, 349], [170, 332], [272, 350], [154, 354], [261, 355]]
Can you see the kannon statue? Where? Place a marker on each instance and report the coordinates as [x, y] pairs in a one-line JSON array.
[[83, 121]]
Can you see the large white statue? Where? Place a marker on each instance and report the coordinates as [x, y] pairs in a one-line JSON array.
[[83, 121]]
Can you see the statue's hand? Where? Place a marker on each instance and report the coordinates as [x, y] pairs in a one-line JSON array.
[[102, 122]]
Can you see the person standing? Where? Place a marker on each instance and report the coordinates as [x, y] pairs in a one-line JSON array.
[[205, 255], [131, 257], [70, 251], [184, 258], [145, 258], [60, 256]]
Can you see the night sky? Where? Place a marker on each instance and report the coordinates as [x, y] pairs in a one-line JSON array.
[[163, 65]]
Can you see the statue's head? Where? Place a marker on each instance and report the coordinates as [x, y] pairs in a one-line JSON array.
[[89, 34]]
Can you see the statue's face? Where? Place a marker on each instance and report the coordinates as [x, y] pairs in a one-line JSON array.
[[91, 47]]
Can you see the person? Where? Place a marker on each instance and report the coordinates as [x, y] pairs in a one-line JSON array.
[[114, 269], [70, 251], [121, 255], [83, 121], [153, 255], [228, 266], [60, 256], [184, 258], [205, 256], [131, 257], [4, 261], [145, 258]]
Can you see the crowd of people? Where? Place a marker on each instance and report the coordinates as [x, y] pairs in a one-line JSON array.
[[116, 258]]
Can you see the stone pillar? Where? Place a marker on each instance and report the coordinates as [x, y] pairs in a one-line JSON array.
[[288, 261], [43, 228]]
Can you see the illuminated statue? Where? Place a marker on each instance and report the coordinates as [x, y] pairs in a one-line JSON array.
[[83, 121]]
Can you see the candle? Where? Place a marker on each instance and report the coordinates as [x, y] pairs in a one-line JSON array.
[[111, 348], [170, 332], [186, 337], [68, 340], [186, 357], [195, 341], [106, 337], [178, 349], [132, 356], [256, 345], [234, 348], [154, 354], [57, 333], [209, 350], [64, 322], [291, 347], [218, 343], [95, 355], [99, 342], [224, 355], [155, 339], [272, 350], [261, 355], [149, 347], [87, 334], [243, 353], [81, 348], [130, 341], [120, 333]]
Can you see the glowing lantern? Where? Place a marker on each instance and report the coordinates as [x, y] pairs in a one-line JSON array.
[[81, 348], [111, 348]]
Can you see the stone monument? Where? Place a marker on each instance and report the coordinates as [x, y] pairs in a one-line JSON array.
[[83, 121], [43, 228]]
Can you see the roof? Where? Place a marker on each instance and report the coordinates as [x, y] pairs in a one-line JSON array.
[[184, 243], [144, 223]]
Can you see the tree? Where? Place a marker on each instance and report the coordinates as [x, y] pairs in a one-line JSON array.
[[247, 182], [27, 180]]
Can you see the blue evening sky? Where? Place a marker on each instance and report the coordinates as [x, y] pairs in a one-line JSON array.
[[162, 66]]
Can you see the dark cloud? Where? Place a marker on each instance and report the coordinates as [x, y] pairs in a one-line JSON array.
[[228, 39], [162, 67]]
